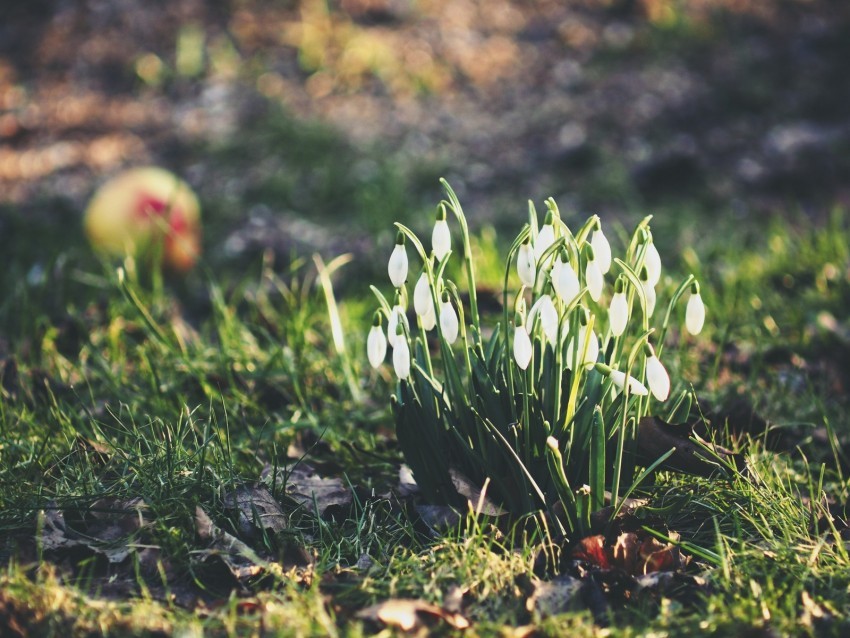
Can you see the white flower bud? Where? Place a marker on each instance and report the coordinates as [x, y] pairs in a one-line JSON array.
[[522, 347], [635, 386], [565, 281], [376, 345], [548, 318], [695, 314], [649, 291], [441, 239], [594, 280], [429, 319], [652, 262], [397, 267], [545, 238], [525, 265], [423, 302], [601, 250], [657, 377], [618, 313], [448, 320], [401, 357]]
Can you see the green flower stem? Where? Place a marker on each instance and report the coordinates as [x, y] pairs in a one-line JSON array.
[[676, 296]]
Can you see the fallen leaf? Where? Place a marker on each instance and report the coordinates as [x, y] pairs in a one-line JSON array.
[[307, 488], [241, 562], [256, 508], [409, 615], [476, 497], [556, 596]]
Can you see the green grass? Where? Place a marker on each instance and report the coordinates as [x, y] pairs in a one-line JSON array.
[[180, 392]]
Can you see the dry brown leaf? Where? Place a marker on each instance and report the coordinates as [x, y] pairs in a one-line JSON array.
[[556, 596], [306, 487], [256, 508], [476, 497], [409, 614]]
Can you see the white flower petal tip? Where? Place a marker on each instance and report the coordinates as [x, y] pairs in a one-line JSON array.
[[593, 278], [618, 314], [448, 322], [522, 347], [397, 267], [635, 386], [376, 346], [525, 265], [441, 239], [601, 250], [401, 358], [695, 314], [657, 378], [553, 444]]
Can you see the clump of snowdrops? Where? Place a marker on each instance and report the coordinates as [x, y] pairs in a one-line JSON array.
[[544, 410]]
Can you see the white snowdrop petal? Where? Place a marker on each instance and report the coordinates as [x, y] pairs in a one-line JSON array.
[[441, 239], [652, 262], [525, 265], [422, 300], [695, 314], [618, 314], [545, 238], [376, 346], [397, 267], [522, 347], [429, 319], [401, 358], [657, 378], [449, 322], [566, 283], [651, 297], [397, 315], [601, 250], [635, 386], [593, 278]]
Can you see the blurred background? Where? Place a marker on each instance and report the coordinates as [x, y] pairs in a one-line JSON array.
[[311, 124]]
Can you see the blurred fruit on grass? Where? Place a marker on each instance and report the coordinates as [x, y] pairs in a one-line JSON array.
[[146, 212]]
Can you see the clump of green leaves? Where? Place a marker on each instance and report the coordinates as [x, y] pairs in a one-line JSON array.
[[543, 407]]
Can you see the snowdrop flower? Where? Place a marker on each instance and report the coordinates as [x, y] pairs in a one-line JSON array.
[[376, 342], [656, 375], [525, 264], [397, 316], [593, 276], [601, 248], [652, 263], [548, 318], [397, 268], [564, 279], [522, 344], [618, 311], [423, 302], [448, 319], [576, 348], [648, 290], [401, 355], [620, 380], [695, 311], [441, 237], [545, 238]]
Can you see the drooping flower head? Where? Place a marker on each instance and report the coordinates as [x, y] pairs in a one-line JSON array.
[[564, 278], [526, 264], [601, 248], [397, 267], [593, 275], [656, 375], [423, 302], [441, 237], [618, 311], [695, 311], [522, 343], [545, 237], [397, 316], [401, 354], [449, 324], [545, 309], [621, 381], [648, 291], [652, 261], [376, 342]]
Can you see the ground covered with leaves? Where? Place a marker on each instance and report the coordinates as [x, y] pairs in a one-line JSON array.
[[199, 455]]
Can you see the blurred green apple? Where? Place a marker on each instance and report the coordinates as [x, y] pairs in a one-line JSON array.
[[143, 210]]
